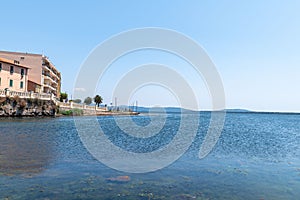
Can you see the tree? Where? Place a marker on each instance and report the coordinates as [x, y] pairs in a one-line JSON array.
[[77, 100], [88, 100], [98, 100], [63, 96]]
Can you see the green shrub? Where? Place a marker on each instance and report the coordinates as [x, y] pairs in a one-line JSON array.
[[65, 112], [77, 111], [73, 112]]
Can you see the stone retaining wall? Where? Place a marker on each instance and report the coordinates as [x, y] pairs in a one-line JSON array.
[[23, 107]]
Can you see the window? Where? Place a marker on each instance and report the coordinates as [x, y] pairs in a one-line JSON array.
[[22, 72], [11, 69], [11, 83], [0, 67], [21, 84]]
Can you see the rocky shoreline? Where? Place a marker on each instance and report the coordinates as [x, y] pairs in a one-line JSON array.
[[20, 107], [17, 107]]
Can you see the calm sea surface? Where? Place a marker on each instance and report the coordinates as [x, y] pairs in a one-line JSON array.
[[256, 157]]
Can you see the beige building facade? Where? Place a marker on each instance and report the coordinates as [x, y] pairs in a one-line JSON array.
[[13, 76], [43, 76]]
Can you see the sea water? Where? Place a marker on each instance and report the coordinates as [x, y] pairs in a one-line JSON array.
[[256, 157]]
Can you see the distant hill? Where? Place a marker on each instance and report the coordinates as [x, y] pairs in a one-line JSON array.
[[179, 110], [238, 110], [161, 110], [183, 110]]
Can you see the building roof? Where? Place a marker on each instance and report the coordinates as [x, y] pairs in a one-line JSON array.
[[30, 54], [21, 53], [12, 63]]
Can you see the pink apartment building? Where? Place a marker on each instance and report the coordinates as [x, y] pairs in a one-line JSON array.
[[13, 76], [43, 76]]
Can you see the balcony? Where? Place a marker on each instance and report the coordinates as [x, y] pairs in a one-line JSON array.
[[49, 86], [49, 69], [47, 77]]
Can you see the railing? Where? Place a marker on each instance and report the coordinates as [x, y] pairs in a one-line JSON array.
[[49, 86], [27, 95], [51, 78], [62, 104], [71, 105], [2, 93], [42, 96], [20, 94]]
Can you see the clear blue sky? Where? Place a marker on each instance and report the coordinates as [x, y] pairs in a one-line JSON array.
[[255, 44]]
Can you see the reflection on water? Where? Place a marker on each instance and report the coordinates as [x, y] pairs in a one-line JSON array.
[[24, 147], [257, 157]]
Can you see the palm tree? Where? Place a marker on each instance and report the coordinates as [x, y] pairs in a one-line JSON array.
[[63, 96], [98, 100]]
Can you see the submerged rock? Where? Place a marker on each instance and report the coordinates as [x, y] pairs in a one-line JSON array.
[[184, 197], [119, 179]]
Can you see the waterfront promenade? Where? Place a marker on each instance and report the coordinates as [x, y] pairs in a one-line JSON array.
[[92, 110], [64, 106]]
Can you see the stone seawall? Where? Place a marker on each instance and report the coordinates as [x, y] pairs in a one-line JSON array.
[[20, 107]]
